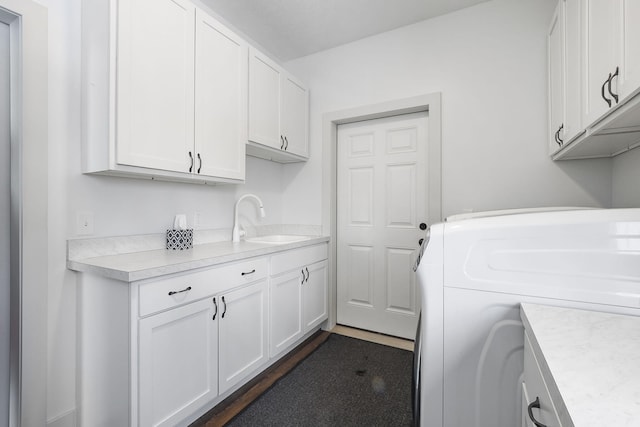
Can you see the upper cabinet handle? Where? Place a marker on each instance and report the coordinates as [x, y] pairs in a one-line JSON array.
[[200, 160], [302, 271], [307, 279], [602, 90], [286, 143], [215, 313], [560, 130], [281, 142], [534, 404], [225, 307], [614, 95], [191, 157], [557, 138]]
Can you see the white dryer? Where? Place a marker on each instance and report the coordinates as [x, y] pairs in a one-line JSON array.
[[475, 271]]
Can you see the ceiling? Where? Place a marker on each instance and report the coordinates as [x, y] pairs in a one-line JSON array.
[[291, 29]]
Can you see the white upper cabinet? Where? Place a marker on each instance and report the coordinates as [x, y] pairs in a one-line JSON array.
[[220, 100], [155, 80], [294, 117], [602, 40], [264, 101], [278, 112], [565, 76], [609, 122], [164, 92], [629, 81], [556, 54]]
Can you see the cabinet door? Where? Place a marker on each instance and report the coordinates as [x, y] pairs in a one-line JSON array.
[[630, 60], [602, 37], [544, 412], [155, 77], [526, 421], [264, 101], [221, 100], [555, 41], [314, 295], [243, 333], [285, 310], [295, 116], [572, 71], [177, 363]]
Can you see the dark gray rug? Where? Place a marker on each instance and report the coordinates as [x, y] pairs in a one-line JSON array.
[[345, 382]]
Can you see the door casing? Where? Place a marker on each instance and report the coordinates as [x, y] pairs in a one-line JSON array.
[[330, 121]]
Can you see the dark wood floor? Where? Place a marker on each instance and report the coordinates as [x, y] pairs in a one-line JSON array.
[[238, 401]]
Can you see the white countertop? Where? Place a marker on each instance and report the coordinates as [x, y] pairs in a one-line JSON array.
[[594, 360], [130, 267]]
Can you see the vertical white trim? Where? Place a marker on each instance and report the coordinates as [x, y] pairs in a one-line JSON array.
[[29, 132], [330, 122]]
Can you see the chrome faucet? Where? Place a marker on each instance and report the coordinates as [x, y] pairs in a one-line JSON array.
[[236, 233]]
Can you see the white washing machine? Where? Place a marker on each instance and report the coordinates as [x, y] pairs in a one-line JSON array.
[[474, 272]]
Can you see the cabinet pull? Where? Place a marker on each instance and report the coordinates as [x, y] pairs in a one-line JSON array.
[[534, 404], [556, 138], [614, 95], [191, 158], [286, 143], [225, 307], [281, 142], [560, 130], [215, 304], [602, 90], [307, 279], [200, 164], [302, 271], [179, 292], [244, 273]]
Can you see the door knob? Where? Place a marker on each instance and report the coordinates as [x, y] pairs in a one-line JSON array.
[[423, 226]]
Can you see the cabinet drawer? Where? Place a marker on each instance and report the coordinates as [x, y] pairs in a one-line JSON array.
[[173, 291], [536, 388], [297, 257]]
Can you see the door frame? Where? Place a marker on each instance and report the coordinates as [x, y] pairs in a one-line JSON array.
[[430, 103], [28, 32]]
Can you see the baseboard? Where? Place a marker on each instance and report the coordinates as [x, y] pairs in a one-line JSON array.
[[67, 419]]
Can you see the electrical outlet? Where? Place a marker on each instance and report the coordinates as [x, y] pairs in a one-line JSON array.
[[197, 220], [84, 223]]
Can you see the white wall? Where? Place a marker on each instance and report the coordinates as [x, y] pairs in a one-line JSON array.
[[120, 206], [489, 62], [626, 177]]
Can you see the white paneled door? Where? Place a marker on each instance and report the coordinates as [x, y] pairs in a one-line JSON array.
[[382, 201]]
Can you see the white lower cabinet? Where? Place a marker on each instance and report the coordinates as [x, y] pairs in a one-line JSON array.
[[298, 294], [537, 406], [243, 333], [178, 371], [191, 354], [286, 311], [161, 352], [314, 295]]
